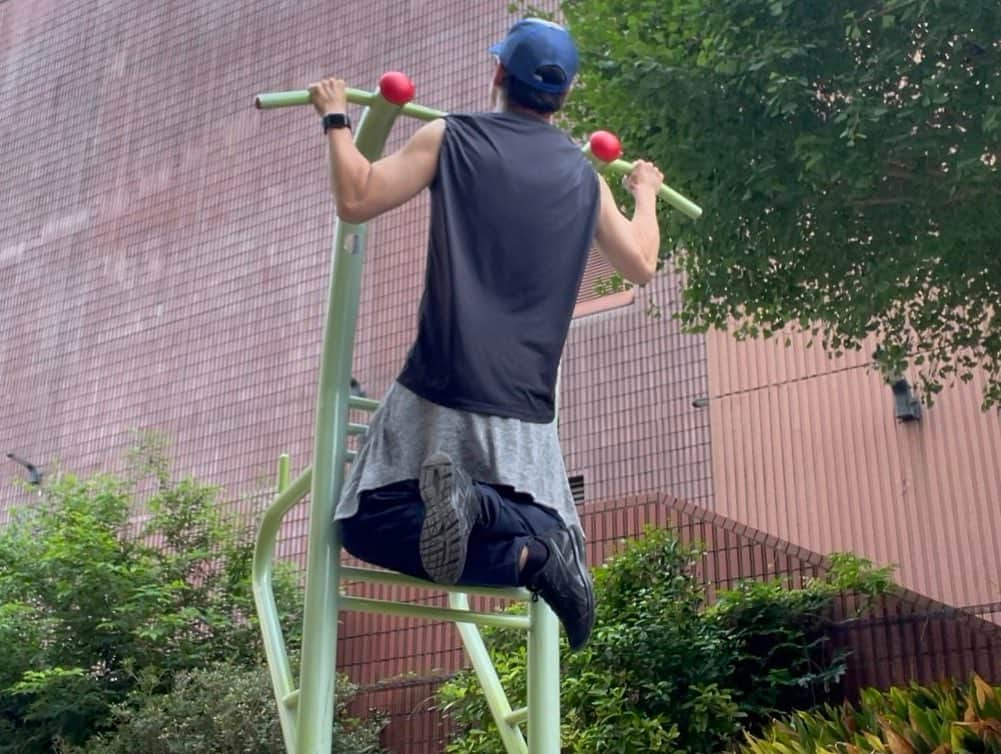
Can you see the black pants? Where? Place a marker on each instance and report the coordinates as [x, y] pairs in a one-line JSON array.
[[386, 531]]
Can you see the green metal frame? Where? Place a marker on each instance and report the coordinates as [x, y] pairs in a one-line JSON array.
[[307, 711]]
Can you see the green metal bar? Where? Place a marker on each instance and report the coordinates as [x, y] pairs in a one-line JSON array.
[[387, 607], [363, 404], [300, 97], [391, 578], [357, 429], [283, 463], [516, 717], [500, 707], [543, 680], [319, 639], [543, 661], [271, 628]]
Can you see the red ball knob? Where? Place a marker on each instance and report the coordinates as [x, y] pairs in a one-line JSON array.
[[605, 146], [396, 87]]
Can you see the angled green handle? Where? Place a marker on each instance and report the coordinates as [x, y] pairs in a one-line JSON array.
[[681, 203]]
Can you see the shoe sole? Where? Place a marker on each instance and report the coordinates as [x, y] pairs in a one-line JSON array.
[[445, 532]]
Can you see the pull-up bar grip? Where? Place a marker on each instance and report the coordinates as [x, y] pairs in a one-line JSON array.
[[605, 150], [394, 87]]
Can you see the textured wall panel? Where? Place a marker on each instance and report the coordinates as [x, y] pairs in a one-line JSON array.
[[629, 379], [164, 253], [808, 449]]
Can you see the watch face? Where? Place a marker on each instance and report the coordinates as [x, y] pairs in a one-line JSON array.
[[335, 120]]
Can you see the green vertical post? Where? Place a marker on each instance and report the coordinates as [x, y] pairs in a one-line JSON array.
[[543, 680], [283, 464], [319, 640]]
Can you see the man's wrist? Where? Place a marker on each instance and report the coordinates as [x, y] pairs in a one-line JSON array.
[[646, 197]]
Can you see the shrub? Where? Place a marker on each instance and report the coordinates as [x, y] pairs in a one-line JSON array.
[[99, 593], [224, 709], [946, 717], [665, 672]]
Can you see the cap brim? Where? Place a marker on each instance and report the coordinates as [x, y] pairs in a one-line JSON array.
[[496, 49]]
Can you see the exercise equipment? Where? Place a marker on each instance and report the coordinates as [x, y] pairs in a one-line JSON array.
[[307, 711]]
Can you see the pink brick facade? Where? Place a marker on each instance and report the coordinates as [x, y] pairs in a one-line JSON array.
[[165, 250]]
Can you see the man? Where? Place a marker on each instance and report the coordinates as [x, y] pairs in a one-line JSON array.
[[460, 478]]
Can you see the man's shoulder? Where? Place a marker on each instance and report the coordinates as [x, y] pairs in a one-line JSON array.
[[470, 117]]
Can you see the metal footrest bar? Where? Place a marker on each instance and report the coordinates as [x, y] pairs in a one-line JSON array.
[[391, 578], [363, 404], [387, 607], [516, 717]]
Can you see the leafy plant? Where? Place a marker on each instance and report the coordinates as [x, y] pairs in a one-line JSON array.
[[222, 709], [942, 718], [98, 591], [663, 670]]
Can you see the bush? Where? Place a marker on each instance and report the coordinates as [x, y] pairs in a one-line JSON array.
[[103, 598], [662, 670], [224, 709], [944, 718]]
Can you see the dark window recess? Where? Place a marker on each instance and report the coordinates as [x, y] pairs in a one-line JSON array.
[[577, 488]]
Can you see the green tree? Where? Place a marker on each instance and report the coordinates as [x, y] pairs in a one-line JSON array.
[[97, 590], [847, 156]]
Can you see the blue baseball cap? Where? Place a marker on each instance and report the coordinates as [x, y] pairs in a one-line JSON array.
[[533, 44]]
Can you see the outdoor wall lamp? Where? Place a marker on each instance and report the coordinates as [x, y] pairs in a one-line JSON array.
[[906, 406]]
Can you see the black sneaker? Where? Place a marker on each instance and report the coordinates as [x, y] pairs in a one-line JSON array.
[[450, 512], [565, 584]]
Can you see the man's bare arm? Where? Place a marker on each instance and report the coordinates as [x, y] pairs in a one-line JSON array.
[[362, 189], [631, 245]]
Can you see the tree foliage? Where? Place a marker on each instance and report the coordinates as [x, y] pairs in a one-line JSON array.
[[846, 154], [108, 582]]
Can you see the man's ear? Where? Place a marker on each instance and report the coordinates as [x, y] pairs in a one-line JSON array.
[[499, 75]]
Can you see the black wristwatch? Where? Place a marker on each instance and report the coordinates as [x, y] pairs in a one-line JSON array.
[[336, 120]]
